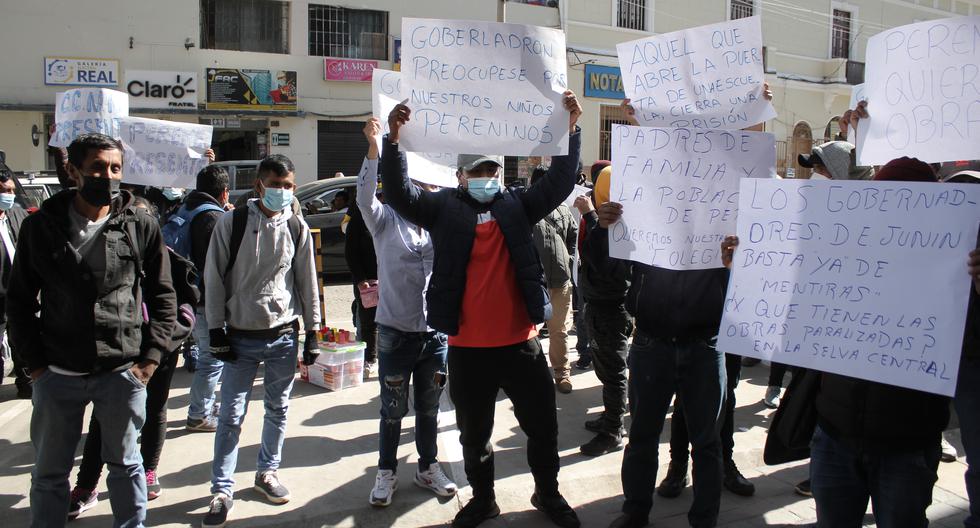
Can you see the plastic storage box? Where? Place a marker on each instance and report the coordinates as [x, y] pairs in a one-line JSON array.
[[338, 367]]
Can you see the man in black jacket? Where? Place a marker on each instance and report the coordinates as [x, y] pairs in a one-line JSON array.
[[677, 315], [92, 259], [210, 198], [487, 292], [363, 264], [11, 218]]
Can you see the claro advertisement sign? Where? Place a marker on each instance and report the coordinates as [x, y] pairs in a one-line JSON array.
[[161, 89]]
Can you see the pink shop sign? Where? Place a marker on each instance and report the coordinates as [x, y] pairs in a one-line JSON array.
[[348, 69]]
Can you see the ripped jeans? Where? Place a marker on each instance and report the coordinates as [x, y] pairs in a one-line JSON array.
[[419, 357]]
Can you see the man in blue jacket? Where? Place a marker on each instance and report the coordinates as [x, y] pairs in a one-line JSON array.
[[487, 293]]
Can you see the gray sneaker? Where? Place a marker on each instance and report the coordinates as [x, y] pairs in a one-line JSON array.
[[208, 424], [267, 483]]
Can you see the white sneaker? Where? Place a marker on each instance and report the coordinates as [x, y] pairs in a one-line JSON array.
[[772, 397], [434, 479], [385, 485], [949, 453]]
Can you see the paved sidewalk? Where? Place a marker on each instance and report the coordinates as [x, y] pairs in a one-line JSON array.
[[330, 457]]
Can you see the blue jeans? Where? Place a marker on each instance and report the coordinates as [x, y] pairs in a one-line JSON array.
[[279, 356], [899, 484], [421, 358], [696, 372], [119, 404], [207, 374], [967, 403]]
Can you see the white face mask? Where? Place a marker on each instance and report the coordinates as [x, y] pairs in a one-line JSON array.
[[817, 176]]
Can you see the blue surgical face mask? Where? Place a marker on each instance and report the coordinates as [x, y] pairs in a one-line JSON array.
[[483, 189], [7, 201], [173, 193], [277, 199]]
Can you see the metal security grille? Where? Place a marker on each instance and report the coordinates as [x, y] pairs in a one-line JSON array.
[[245, 25], [841, 35], [632, 14], [340, 147], [742, 9], [348, 33], [609, 115]]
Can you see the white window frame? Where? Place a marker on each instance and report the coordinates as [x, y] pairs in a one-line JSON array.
[[842, 6], [647, 23], [756, 9]]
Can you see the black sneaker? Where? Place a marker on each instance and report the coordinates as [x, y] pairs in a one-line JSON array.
[[602, 443], [803, 488], [583, 363], [627, 520], [594, 426], [267, 483], [477, 510], [81, 499], [735, 482], [674, 482], [555, 507], [218, 511]]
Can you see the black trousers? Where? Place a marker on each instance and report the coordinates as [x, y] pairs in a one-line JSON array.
[[153, 434], [679, 440], [367, 327], [610, 327], [521, 370]]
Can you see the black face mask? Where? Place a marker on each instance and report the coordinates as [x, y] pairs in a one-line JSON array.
[[99, 191]]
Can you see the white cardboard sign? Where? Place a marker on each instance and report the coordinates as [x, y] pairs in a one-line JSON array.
[[679, 189], [480, 85], [437, 168], [87, 110], [705, 77], [863, 279], [923, 93], [163, 153]]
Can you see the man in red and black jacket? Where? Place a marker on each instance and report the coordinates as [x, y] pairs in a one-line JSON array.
[[487, 293]]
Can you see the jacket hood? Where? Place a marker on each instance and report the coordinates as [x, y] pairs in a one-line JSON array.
[[196, 199]]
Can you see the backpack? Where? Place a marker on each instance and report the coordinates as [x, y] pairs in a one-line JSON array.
[[185, 279], [239, 221], [177, 230]]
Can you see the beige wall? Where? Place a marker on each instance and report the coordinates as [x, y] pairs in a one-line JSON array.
[[15, 140]]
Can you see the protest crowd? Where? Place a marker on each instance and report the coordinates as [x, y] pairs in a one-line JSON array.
[[459, 279]]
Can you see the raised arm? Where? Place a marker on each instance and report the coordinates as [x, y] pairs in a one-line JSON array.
[[418, 207], [367, 180], [543, 197]]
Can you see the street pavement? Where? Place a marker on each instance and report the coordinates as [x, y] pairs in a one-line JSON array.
[[330, 457]]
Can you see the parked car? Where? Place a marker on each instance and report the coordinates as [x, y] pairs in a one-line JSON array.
[[241, 174], [38, 187], [316, 199]]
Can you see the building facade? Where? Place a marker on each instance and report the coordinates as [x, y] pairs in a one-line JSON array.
[[292, 77]]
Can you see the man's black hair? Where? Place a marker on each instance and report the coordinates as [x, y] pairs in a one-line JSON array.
[[537, 174], [80, 148], [277, 164], [342, 194], [213, 180]]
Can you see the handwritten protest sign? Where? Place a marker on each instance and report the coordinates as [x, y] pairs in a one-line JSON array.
[[923, 95], [495, 87], [679, 189], [87, 110], [437, 168], [865, 279], [705, 77], [163, 153]]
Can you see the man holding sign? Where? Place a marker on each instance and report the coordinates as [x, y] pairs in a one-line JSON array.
[[487, 294]]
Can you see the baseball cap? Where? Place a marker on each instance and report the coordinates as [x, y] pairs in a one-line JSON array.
[[468, 162]]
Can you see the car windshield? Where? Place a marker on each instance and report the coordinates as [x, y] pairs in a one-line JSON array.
[[34, 195]]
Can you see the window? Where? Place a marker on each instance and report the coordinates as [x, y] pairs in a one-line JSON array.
[[840, 35], [609, 115], [245, 25], [632, 14], [742, 9], [348, 33]]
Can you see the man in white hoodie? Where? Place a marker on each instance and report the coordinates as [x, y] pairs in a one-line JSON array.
[[253, 312]]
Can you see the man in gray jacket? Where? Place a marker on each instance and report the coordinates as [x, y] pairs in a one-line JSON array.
[[253, 312], [408, 349], [555, 237]]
